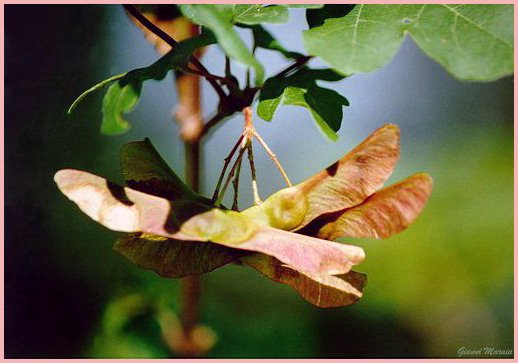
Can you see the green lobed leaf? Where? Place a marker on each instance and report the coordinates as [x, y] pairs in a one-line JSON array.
[[472, 42], [144, 170], [123, 95], [120, 98], [263, 39], [322, 290], [219, 19], [306, 6], [316, 17], [258, 14], [172, 258], [301, 89], [127, 210]]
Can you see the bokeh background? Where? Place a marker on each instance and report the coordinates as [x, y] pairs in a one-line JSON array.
[[443, 284]]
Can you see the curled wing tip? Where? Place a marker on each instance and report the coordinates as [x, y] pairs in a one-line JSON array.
[[424, 180], [425, 177], [355, 254], [360, 256], [62, 177], [390, 127], [390, 130]]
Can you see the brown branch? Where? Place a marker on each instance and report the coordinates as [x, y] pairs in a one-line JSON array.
[[150, 26], [212, 122], [188, 112], [299, 62], [173, 43], [199, 73]]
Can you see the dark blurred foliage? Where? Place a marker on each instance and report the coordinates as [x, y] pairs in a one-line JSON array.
[[445, 283]]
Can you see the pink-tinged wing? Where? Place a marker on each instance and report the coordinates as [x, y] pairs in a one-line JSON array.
[[385, 213], [305, 253], [322, 290], [117, 208], [127, 210], [356, 176]]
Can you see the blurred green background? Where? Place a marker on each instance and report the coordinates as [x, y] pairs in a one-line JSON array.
[[443, 284]]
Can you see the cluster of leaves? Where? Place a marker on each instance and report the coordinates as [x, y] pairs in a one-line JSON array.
[[472, 42], [175, 232]]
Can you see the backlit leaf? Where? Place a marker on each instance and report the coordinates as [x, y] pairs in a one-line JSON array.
[[144, 170], [318, 16], [322, 290], [123, 95], [301, 89], [120, 98], [219, 19], [263, 39], [306, 6], [257, 14], [384, 214], [172, 258], [127, 210], [473, 42]]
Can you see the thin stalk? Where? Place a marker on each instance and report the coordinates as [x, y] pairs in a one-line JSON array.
[[224, 170], [235, 184], [257, 198], [212, 122], [229, 177], [298, 63], [200, 73], [273, 157], [228, 72]]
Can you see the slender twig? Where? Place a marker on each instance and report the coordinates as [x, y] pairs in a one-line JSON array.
[[247, 77], [257, 198], [149, 25], [298, 63], [212, 122], [273, 157], [235, 184], [228, 73], [200, 73], [254, 47], [225, 166], [173, 43], [229, 177]]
